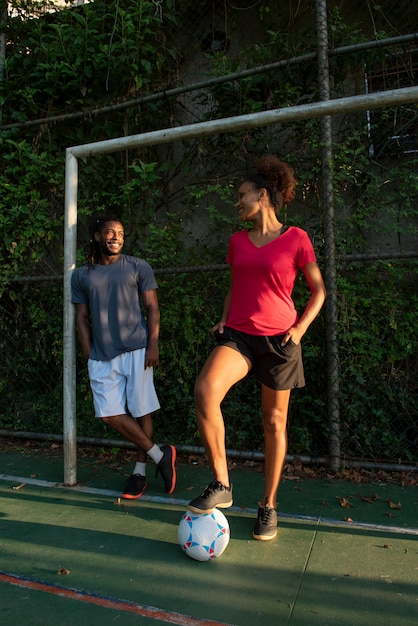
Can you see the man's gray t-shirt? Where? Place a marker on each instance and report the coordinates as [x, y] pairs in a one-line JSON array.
[[113, 295]]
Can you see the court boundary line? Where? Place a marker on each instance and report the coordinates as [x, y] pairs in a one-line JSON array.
[[107, 602], [326, 521]]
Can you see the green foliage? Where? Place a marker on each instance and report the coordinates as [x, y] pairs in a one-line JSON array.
[[85, 54], [29, 191], [31, 345], [377, 340]]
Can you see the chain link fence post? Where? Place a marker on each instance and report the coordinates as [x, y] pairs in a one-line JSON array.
[[329, 219]]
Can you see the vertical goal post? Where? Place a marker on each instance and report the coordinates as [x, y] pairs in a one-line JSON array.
[[336, 106]]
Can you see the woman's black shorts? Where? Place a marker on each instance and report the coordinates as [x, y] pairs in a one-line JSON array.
[[276, 366]]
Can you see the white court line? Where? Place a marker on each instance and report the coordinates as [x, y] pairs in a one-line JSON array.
[[21, 480]]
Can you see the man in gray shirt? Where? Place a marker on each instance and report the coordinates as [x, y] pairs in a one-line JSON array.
[[121, 346]]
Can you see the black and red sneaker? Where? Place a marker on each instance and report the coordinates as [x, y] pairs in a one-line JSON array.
[[167, 468], [135, 487]]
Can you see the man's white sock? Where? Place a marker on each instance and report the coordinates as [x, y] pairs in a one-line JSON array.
[[155, 453], [140, 468]]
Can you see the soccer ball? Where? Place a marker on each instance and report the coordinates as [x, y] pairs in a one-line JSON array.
[[203, 536]]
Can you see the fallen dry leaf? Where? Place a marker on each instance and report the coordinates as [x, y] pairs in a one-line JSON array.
[[62, 570], [348, 519], [346, 504], [392, 505], [372, 498]]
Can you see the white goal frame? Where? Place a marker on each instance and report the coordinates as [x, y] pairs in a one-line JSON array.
[[230, 124]]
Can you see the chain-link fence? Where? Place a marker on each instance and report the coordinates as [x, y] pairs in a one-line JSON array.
[[239, 57]]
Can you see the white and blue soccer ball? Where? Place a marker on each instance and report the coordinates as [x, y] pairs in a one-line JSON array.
[[203, 536]]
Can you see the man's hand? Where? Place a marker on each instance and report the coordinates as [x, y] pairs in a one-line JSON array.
[[151, 355]]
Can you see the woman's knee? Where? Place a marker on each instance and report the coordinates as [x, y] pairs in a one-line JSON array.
[[274, 422], [203, 390]]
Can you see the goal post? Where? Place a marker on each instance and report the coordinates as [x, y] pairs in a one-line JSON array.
[[230, 124]]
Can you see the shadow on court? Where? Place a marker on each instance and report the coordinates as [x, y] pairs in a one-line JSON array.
[[81, 555]]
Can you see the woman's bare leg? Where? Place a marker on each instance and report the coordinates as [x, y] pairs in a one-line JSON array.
[[275, 405], [223, 368]]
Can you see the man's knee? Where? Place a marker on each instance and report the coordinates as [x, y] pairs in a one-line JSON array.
[[112, 420]]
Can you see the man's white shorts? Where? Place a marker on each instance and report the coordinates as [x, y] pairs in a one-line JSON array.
[[122, 385]]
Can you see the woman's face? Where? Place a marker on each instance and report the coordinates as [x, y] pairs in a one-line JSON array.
[[248, 201]]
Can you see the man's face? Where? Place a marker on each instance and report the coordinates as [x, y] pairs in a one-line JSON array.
[[110, 239]]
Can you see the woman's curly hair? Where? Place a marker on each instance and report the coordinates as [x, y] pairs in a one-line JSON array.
[[276, 177]]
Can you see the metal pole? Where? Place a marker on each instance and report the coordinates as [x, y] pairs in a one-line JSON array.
[[233, 454], [330, 264], [211, 82], [69, 370], [377, 100]]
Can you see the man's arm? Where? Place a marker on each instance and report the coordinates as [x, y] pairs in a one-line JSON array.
[[150, 302], [82, 316]]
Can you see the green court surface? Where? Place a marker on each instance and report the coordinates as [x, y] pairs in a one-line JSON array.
[[122, 564]]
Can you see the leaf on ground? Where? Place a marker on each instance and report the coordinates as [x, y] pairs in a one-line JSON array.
[[393, 505], [62, 570], [308, 471], [370, 499], [346, 504]]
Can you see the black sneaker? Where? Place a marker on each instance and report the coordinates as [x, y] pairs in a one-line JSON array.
[[166, 467], [135, 487], [215, 495], [266, 525]]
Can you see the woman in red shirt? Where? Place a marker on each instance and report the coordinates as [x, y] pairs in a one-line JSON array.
[[259, 330]]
